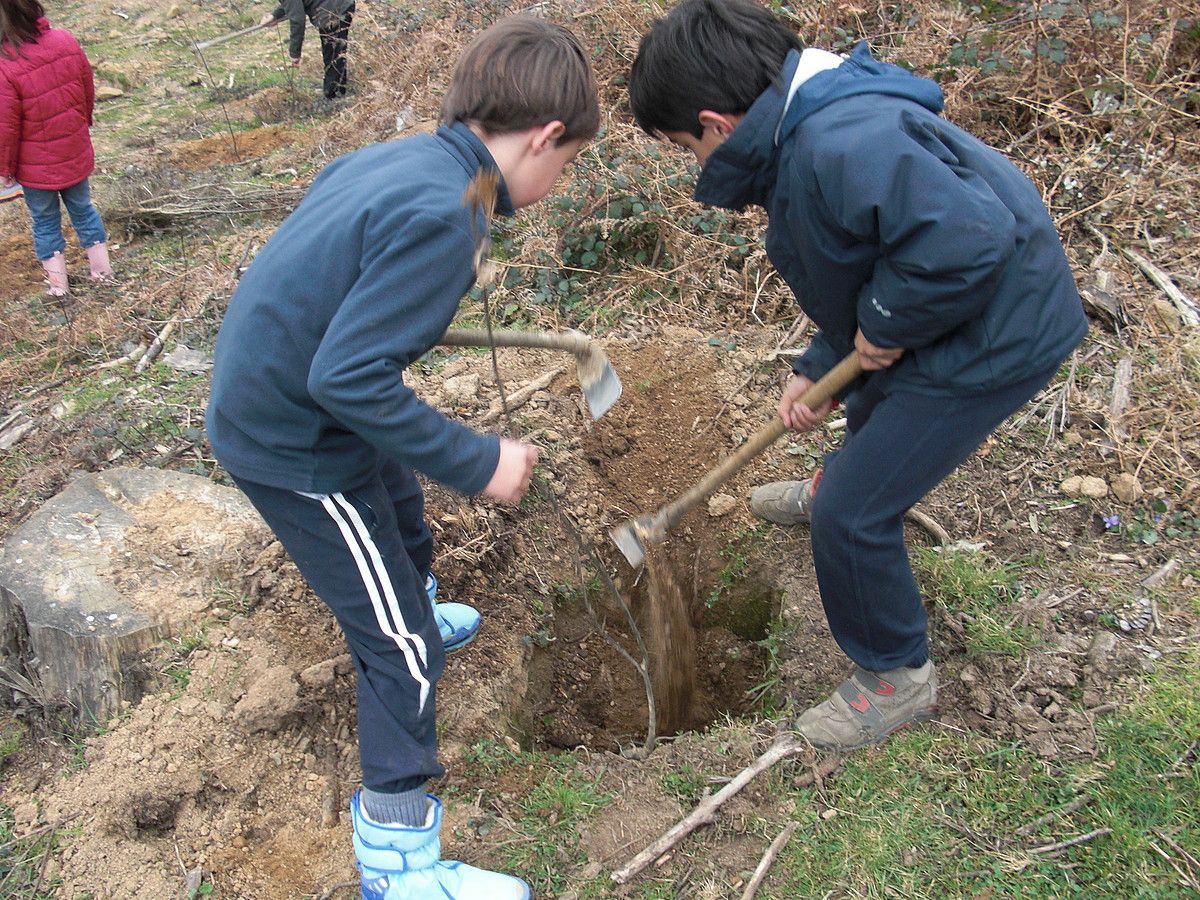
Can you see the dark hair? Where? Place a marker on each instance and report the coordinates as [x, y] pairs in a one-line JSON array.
[[522, 72], [18, 24], [706, 54]]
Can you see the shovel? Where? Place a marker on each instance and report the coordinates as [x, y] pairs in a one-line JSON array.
[[598, 379], [631, 537], [212, 42]]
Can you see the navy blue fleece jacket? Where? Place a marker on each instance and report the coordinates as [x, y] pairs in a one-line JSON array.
[[886, 217], [308, 390]]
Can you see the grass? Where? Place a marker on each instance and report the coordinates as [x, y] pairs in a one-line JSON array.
[[935, 814], [979, 589], [23, 862]]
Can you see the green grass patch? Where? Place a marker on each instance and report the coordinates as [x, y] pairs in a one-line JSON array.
[[978, 589], [934, 814], [23, 862]]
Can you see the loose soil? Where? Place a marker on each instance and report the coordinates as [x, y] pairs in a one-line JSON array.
[[228, 149]]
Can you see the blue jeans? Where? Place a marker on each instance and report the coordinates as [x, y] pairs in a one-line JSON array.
[[899, 445], [47, 218]]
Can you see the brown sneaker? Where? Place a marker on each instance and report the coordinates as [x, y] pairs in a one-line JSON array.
[[783, 502], [869, 706]]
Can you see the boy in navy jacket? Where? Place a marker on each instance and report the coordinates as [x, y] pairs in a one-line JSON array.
[[310, 414], [904, 239]]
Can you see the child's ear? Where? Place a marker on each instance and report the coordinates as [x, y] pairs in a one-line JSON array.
[[547, 135], [722, 123]]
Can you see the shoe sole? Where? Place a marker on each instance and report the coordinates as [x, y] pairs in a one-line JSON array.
[[918, 718], [454, 648]]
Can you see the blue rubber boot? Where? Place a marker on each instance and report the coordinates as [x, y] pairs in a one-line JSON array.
[[399, 863], [457, 622]]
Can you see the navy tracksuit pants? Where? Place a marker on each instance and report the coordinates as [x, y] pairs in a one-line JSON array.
[[366, 552], [899, 445]]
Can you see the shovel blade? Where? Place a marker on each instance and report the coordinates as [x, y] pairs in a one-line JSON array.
[[600, 390], [627, 541]]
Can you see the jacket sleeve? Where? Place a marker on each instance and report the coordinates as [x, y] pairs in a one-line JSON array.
[[10, 127], [818, 359], [294, 10], [943, 234], [399, 306], [89, 85]]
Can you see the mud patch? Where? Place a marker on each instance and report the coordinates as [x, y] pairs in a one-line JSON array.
[[226, 149]]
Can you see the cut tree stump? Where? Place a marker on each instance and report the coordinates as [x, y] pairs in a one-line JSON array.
[[109, 568]]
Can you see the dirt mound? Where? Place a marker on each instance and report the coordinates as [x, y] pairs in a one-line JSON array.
[[226, 149]]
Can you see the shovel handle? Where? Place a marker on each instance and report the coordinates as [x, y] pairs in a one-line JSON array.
[[212, 42], [829, 384], [572, 341]]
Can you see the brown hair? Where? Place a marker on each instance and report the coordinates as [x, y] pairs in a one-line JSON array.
[[18, 24], [522, 72]]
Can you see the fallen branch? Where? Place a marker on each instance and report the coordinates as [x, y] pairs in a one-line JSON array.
[[764, 864], [519, 397], [936, 531], [1189, 314], [156, 345], [1073, 842], [705, 812], [1120, 397], [132, 356]]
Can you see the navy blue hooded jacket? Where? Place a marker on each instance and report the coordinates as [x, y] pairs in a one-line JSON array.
[[886, 217], [308, 391]]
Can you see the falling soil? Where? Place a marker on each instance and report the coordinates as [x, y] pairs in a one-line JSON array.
[[671, 643]]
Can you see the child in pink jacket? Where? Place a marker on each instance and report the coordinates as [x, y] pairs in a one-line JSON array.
[[46, 99]]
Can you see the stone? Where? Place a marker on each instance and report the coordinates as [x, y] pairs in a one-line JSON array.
[[461, 388], [319, 675], [1127, 488], [108, 92], [1168, 315], [270, 700], [1102, 654], [94, 579], [721, 504], [1084, 486]]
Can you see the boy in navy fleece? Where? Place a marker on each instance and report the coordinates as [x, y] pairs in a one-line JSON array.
[[906, 240], [311, 416]]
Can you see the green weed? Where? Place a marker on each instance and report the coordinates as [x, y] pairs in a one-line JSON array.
[[23, 862], [685, 783], [934, 814], [979, 589]]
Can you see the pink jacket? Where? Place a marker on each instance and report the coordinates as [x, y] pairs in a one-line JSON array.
[[46, 99]]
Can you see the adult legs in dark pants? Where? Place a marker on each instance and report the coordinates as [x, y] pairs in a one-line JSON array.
[[334, 41], [899, 445]]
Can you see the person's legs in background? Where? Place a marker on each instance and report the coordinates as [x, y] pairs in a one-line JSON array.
[[334, 43], [48, 242], [88, 227]]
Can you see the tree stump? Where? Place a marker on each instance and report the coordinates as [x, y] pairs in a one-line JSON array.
[[108, 569]]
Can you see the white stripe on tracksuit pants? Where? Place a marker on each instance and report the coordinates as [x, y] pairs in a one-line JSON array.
[[349, 547]]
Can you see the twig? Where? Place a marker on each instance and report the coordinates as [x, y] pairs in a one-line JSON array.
[[519, 397], [1073, 842], [1120, 397], [706, 810], [1030, 827], [156, 346], [1191, 863], [768, 859], [936, 531], [1188, 312]]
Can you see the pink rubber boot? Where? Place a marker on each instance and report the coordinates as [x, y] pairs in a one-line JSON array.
[[56, 274], [98, 258]]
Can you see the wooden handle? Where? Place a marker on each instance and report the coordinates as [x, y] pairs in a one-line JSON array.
[[212, 42], [572, 341], [831, 382]]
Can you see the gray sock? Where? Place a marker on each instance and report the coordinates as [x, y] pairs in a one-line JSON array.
[[409, 808]]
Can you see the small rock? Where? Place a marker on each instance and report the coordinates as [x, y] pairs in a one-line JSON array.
[[1168, 315], [1103, 651], [269, 701], [1126, 488], [1084, 486], [461, 388], [319, 675], [108, 92], [721, 504]]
